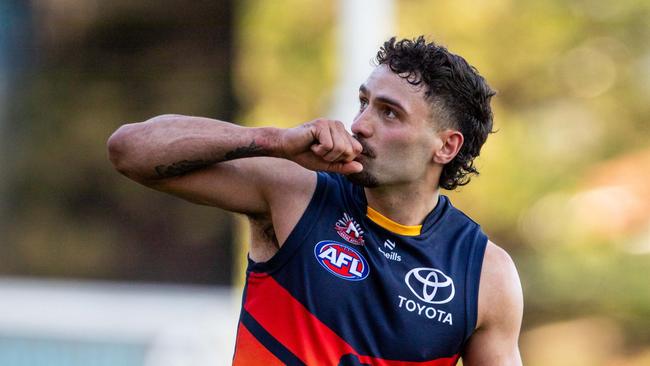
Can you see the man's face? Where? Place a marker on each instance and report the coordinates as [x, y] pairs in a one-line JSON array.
[[394, 126]]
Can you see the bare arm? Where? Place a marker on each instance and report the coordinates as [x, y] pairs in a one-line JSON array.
[[173, 145], [199, 159], [495, 341]]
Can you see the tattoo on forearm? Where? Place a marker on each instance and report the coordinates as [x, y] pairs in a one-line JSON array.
[[180, 168], [246, 152], [185, 166]]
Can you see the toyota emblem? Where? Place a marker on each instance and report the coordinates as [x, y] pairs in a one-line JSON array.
[[430, 285]]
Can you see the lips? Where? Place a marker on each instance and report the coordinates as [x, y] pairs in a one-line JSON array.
[[367, 151]]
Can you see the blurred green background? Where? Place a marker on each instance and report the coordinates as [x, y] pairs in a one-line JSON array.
[[564, 184]]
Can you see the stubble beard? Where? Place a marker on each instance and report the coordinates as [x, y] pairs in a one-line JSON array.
[[364, 179]]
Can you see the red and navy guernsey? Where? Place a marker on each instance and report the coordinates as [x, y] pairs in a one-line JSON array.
[[351, 287]]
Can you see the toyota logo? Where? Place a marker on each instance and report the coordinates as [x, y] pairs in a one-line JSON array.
[[430, 285]]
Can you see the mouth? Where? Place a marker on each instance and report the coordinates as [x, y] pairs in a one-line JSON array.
[[368, 154], [364, 158], [367, 151]]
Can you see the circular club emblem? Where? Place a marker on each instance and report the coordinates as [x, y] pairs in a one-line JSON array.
[[341, 260], [430, 285]]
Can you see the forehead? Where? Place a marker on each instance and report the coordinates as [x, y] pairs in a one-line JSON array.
[[385, 83]]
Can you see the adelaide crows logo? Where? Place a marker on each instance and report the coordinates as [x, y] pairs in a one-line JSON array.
[[349, 230], [341, 260]]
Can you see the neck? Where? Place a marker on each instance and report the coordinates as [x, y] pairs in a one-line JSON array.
[[405, 204]]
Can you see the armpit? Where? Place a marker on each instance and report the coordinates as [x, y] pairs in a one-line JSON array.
[[264, 243]]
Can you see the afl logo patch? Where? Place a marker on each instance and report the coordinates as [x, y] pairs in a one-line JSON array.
[[341, 260]]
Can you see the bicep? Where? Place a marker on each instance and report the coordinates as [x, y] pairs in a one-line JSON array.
[[495, 341], [491, 348], [243, 185]]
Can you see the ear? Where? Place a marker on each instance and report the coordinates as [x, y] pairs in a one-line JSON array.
[[450, 143]]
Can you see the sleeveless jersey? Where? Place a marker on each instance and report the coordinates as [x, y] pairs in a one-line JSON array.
[[351, 287]]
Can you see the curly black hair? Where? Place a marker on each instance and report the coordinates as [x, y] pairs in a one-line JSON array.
[[459, 96]]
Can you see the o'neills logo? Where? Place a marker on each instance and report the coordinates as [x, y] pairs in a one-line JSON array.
[[390, 253], [349, 230]]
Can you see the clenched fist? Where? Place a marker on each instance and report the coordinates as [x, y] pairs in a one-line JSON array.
[[322, 144]]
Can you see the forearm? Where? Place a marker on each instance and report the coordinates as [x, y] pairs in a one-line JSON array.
[[172, 145]]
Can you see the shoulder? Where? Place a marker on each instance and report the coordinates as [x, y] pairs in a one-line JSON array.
[[280, 178], [338, 186], [500, 300]]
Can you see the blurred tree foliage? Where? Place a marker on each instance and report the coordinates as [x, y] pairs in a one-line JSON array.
[[96, 66], [285, 69]]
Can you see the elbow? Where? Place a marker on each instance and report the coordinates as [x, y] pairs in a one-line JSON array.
[[118, 148], [130, 148]]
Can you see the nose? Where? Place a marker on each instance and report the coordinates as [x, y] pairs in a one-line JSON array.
[[362, 126]]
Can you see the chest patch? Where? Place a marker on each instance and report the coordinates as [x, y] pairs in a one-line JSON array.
[[341, 260], [349, 230]]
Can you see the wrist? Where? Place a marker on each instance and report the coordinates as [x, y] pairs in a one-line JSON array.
[[269, 140]]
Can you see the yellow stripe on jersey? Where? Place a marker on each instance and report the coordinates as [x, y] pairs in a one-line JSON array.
[[390, 225]]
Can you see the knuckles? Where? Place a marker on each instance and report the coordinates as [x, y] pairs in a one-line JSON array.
[[334, 146], [325, 122]]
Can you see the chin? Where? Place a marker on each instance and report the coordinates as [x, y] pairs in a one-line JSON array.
[[363, 179]]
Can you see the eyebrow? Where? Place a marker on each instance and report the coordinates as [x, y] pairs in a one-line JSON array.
[[383, 99]]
